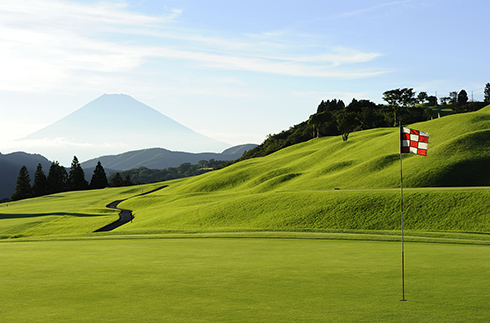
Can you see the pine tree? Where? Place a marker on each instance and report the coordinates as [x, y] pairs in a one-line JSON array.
[[99, 178], [39, 187], [486, 92], [57, 178], [76, 178], [23, 187], [117, 180]]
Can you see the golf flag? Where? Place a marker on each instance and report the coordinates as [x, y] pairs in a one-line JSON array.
[[414, 141]]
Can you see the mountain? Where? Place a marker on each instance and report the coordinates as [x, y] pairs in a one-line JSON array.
[[156, 158], [159, 158], [114, 123], [10, 165]]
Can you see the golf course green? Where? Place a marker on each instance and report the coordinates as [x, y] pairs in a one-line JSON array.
[[242, 280]]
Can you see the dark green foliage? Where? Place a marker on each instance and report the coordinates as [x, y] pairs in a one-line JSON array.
[[328, 106], [462, 97], [432, 100], [57, 178], [486, 93], [39, 187], [144, 175], [422, 97], [318, 120], [127, 181], [398, 99], [346, 121], [468, 107], [117, 180], [99, 178], [453, 97], [23, 187], [76, 178]]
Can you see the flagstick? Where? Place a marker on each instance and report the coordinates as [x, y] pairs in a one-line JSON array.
[[401, 209]]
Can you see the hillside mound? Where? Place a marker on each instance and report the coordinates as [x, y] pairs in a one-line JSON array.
[[324, 184], [458, 152], [327, 183]]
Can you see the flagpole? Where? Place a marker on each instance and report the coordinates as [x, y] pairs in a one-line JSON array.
[[401, 211]]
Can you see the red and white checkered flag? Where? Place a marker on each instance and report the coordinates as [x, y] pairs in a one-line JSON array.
[[414, 141]]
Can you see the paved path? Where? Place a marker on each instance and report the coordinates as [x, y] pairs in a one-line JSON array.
[[125, 216]]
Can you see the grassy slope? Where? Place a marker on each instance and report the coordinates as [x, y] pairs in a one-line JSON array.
[[294, 189], [272, 280], [63, 213]]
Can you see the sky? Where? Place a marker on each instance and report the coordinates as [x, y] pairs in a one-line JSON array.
[[235, 71]]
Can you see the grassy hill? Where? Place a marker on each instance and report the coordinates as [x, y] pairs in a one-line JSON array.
[[324, 184], [305, 194]]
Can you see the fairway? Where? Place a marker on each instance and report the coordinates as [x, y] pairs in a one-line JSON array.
[[241, 280]]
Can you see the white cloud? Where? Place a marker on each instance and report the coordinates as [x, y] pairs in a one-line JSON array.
[[43, 43]]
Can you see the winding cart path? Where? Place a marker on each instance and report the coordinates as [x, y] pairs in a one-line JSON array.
[[125, 215]]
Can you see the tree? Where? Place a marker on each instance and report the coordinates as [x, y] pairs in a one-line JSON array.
[[117, 180], [346, 122], [445, 100], [399, 98], [486, 93], [23, 187], [453, 97], [317, 120], [462, 97], [76, 178], [127, 181], [422, 97], [57, 178], [99, 178], [432, 99], [39, 187]]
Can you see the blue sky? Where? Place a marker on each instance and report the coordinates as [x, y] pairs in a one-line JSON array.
[[232, 70]]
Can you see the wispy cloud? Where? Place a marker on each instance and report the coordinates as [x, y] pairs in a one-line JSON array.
[[44, 42], [372, 9]]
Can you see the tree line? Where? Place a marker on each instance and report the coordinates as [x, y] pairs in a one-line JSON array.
[[334, 117], [59, 180], [145, 175]]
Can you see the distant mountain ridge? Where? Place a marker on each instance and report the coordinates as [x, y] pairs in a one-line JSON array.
[[155, 158], [10, 165], [159, 158], [114, 123]]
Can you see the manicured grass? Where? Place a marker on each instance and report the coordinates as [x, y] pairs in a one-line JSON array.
[[64, 213], [241, 280], [461, 210]]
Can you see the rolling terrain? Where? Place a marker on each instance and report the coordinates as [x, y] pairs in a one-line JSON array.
[[323, 184], [321, 221]]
